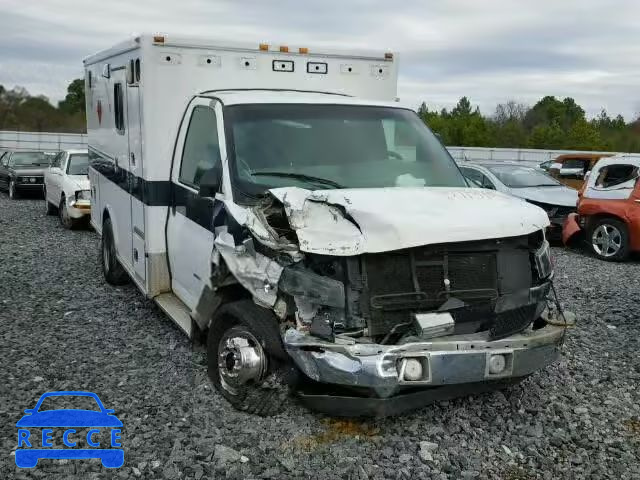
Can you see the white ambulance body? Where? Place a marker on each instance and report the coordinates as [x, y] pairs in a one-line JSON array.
[[199, 199], [137, 94]]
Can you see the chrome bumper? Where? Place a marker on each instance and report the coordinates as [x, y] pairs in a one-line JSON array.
[[445, 361]]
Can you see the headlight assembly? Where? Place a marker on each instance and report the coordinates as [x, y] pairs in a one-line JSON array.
[[83, 195]]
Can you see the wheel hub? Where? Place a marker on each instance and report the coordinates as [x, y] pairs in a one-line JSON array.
[[606, 240], [241, 359]]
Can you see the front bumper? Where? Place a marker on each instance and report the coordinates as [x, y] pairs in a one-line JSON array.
[[29, 187], [79, 208], [446, 361]]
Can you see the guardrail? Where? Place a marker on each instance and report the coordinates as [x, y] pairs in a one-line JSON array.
[[528, 156], [42, 141], [10, 140]]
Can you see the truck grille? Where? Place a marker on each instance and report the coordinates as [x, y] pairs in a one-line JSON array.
[[423, 278]]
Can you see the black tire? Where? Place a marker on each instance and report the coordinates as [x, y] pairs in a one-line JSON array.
[[113, 271], [267, 394], [50, 208], [13, 191], [616, 246], [63, 215]]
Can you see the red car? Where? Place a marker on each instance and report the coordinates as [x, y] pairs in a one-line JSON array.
[[609, 209]]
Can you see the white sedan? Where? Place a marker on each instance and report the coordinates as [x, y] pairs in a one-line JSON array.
[[66, 187]]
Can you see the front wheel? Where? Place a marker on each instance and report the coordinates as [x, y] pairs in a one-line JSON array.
[[13, 193], [609, 239], [246, 361], [63, 213], [114, 273]]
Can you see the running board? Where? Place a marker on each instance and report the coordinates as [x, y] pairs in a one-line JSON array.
[[176, 310]]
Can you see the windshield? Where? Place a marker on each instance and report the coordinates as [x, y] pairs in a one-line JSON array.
[[333, 146], [518, 177], [25, 159], [78, 164]]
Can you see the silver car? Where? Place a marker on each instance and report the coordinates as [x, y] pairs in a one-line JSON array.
[[530, 184]]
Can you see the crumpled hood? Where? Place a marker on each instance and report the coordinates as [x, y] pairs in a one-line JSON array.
[[561, 196], [355, 221], [28, 171]]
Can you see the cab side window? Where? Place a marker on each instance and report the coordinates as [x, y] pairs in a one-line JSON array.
[[201, 151], [615, 175]]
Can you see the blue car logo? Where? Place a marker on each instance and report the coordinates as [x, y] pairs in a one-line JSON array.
[[56, 433]]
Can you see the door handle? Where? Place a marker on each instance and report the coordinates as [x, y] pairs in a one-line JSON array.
[[133, 158]]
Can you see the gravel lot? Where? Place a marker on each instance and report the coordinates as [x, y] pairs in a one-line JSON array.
[[64, 328]]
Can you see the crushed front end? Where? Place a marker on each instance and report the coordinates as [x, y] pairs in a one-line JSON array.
[[422, 323]]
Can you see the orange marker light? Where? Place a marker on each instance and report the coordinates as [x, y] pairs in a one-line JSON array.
[[388, 56], [158, 39], [303, 50], [264, 47], [284, 49]]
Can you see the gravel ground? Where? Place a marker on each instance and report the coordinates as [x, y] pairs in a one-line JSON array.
[[63, 328]]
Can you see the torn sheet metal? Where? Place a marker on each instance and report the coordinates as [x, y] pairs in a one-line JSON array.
[[384, 219], [255, 272]]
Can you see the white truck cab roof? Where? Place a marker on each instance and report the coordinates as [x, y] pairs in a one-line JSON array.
[[251, 96]]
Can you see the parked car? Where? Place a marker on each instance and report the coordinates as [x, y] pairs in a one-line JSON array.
[[527, 183], [546, 165], [572, 168], [608, 209], [66, 187], [22, 171]]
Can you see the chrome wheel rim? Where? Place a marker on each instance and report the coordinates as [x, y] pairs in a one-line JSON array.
[[241, 359], [606, 240]]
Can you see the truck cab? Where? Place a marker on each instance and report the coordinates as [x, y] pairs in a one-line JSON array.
[[320, 240]]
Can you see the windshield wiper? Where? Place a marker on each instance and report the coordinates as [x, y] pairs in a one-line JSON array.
[[300, 176]]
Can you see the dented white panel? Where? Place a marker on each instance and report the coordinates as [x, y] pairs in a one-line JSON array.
[[386, 219], [255, 272]]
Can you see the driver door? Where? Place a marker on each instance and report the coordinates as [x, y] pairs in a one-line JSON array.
[[190, 223]]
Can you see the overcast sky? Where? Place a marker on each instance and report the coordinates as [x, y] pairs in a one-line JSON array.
[[490, 50]]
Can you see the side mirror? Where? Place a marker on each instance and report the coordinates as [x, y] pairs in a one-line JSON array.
[[30, 410], [109, 411], [211, 181]]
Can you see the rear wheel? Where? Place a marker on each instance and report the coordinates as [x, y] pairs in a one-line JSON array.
[[247, 362], [113, 271], [50, 209], [609, 239]]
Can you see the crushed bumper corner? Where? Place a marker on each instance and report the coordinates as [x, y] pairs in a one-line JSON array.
[[461, 364]]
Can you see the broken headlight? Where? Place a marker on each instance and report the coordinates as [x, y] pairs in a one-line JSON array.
[[83, 195], [542, 257]]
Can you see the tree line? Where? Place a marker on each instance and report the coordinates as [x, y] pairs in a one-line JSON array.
[[550, 124], [23, 112]]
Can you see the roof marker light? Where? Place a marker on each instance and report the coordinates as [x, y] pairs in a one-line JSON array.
[[284, 49], [264, 47], [303, 50], [158, 39], [388, 56]]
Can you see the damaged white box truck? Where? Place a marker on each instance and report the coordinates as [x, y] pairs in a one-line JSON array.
[[281, 202]]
